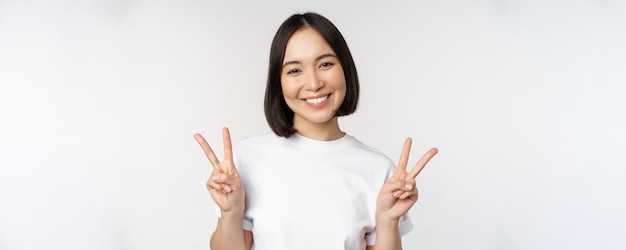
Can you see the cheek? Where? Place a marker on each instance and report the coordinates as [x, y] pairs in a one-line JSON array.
[[288, 89], [340, 84], [338, 79]]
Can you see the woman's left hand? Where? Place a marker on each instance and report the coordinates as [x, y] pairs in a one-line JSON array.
[[399, 193]]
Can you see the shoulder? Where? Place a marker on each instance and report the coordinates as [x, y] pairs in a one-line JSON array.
[[360, 146], [259, 143], [258, 139], [368, 152]]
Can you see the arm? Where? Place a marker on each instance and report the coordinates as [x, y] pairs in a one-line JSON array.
[[229, 234], [228, 193], [387, 236], [395, 199]]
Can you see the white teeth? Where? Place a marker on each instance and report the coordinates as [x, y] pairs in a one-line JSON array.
[[316, 100]]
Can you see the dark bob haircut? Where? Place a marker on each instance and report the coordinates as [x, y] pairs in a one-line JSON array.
[[279, 116]]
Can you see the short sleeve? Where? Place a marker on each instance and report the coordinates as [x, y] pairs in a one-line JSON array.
[[404, 226]]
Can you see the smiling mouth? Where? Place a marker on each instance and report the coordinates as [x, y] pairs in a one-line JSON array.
[[317, 100]]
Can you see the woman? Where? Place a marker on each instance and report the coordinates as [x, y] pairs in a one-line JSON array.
[[307, 184]]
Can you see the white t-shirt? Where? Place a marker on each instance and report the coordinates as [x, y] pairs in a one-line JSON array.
[[307, 194]]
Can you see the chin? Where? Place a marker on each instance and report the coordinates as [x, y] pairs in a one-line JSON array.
[[320, 120]]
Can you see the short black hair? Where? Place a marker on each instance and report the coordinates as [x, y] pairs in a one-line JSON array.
[[278, 115]]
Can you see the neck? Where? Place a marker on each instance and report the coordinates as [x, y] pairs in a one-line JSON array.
[[327, 131]]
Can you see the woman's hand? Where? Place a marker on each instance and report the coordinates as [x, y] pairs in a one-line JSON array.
[[224, 184], [399, 193]]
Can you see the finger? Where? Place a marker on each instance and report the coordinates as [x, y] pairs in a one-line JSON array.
[[422, 162], [228, 148], [397, 193], [214, 181], [392, 186], [207, 150], [211, 184], [408, 194], [226, 180], [404, 156], [407, 186], [217, 182]]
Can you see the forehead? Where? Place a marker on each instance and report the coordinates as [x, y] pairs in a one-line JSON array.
[[306, 42]]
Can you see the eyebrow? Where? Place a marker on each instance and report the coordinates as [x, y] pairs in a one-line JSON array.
[[316, 59]]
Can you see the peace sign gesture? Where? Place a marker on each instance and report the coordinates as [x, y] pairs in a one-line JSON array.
[[399, 193], [224, 184]]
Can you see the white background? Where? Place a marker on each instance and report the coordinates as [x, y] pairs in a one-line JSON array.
[[526, 100]]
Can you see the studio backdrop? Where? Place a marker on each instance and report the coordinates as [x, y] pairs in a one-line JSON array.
[[99, 101]]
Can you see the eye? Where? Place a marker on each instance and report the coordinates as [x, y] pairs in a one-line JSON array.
[[293, 71], [326, 65]]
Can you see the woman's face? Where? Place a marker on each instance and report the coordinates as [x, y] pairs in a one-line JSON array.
[[312, 79]]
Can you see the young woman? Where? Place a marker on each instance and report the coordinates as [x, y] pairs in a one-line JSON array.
[[307, 184]]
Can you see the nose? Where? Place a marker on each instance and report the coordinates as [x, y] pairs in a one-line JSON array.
[[314, 82]]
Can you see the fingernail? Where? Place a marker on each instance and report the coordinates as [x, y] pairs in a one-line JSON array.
[[215, 177], [408, 186], [227, 189], [396, 194]]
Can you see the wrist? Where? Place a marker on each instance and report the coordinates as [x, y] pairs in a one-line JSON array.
[[233, 214], [383, 221]]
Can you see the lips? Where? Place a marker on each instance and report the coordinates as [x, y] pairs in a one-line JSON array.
[[316, 100]]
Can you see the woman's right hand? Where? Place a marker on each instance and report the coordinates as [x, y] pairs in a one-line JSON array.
[[224, 184]]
